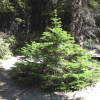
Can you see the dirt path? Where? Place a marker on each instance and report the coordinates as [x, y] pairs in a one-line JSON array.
[[10, 90]]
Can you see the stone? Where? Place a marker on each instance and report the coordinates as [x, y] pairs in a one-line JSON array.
[[65, 98], [80, 98]]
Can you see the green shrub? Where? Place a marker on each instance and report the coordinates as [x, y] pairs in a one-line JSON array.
[[94, 4], [59, 63], [4, 49], [7, 44], [12, 42]]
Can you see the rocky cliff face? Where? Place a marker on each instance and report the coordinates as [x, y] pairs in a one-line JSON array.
[[85, 26]]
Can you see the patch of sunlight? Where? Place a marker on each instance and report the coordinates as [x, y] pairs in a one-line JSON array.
[[7, 64], [2, 83]]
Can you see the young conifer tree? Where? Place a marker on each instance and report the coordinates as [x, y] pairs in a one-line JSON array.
[[64, 64]]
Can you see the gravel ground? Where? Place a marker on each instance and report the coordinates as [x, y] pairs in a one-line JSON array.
[[10, 90]]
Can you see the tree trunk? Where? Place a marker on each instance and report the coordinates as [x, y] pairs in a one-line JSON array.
[[83, 21]]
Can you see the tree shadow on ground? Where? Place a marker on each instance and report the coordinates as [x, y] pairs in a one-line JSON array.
[[11, 90]]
